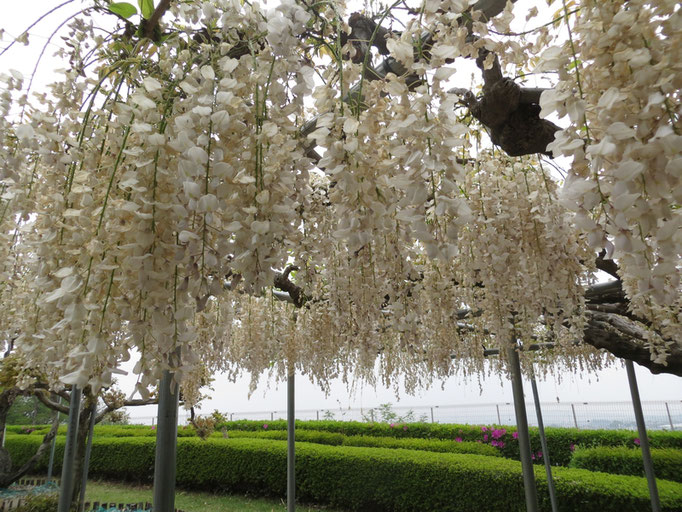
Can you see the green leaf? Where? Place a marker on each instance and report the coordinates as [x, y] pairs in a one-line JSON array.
[[123, 9], [146, 8]]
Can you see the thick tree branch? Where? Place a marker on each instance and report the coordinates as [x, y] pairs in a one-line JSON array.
[[111, 407], [611, 291], [607, 265], [155, 18], [43, 397], [283, 283], [625, 339], [514, 125]]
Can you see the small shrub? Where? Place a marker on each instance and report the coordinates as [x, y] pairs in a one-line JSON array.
[[39, 503], [628, 461]]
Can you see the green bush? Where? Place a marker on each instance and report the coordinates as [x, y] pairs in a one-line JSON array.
[[561, 441], [308, 436], [628, 461], [430, 445], [38, 430], [39, 503], [333, 439], [127, 458], [366, 479]]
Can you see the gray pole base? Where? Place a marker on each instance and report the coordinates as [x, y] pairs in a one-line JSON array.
[[291, 444], [86, 462], [166, 445], [68, 466], [643, 438], [522, 428], [543, 443], [50, 464]]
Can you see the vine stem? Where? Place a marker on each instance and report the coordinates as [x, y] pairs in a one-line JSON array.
[[119, 158]]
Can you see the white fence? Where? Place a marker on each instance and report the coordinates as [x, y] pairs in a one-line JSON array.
[[659, 415]]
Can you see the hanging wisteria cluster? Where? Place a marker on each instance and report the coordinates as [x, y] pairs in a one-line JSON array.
[[170, 198], [620, 75]]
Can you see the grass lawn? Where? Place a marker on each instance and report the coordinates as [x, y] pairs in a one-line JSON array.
[[188, 501]]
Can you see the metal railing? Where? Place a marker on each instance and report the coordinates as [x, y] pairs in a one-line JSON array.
[[659, 415]]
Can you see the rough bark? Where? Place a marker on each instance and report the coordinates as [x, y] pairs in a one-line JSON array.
[[615, 334], [613, 327], [511, 113]]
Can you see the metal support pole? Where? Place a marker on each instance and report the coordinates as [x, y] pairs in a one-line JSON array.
[[291, 444], [522, 428], [50, 464], [670, 418], [68, 466], [166, 445], [499, 419], [53, 448], [371, 414], [317, 414], [86, 462], [575, 418], [272, 416], [543, 443], [432, 415], [643, 438]]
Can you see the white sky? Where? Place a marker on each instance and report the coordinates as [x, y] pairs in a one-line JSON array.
[[607, 385]]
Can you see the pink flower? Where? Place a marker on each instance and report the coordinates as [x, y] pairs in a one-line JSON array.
[[484, 429], [485, 437], [637, 441], [265, 425], [458, 439], [404, 427], [500, 444], [515, 435], [572, 447], [493, 443], [392, 425], [539, 455]]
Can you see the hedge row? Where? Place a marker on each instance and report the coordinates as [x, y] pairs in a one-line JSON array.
[[362, 479], [561, 441], [101, 430], [333, 439], [628, 461]]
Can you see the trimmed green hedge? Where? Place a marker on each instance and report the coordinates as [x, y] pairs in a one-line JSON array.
[[101, 430], [628, 461], [364, 479], [561, 441], [333, 439]]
